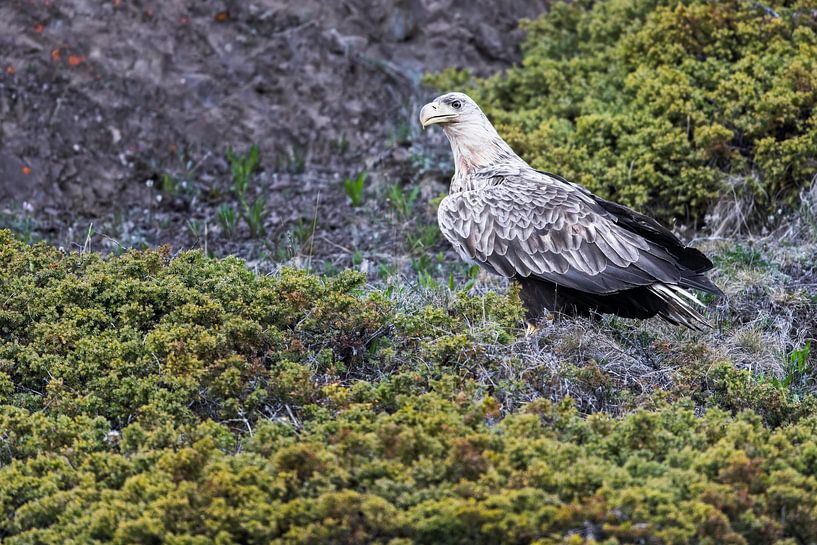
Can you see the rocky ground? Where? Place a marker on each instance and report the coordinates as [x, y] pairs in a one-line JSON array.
[[116, 118]]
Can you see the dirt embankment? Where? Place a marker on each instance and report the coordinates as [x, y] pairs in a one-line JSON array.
[[98, 97]]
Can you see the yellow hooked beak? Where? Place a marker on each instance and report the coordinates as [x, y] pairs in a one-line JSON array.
[[437, 112]]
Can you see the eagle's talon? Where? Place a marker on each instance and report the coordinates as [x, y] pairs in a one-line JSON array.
[[531, 329]]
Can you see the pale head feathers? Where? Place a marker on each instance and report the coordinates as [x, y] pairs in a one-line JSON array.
[[474, 141]]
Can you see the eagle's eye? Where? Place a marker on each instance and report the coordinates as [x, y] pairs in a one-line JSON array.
[[456, 104]]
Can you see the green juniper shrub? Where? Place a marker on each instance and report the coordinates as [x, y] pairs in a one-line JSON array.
[[657, 103], [150, 398], [147, 336], [433, 470]]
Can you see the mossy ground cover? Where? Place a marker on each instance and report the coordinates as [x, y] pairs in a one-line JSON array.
[[159, 398], [664, 105]]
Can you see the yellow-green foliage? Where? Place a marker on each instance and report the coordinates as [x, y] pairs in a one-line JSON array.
[[185, 400], [655, 102]]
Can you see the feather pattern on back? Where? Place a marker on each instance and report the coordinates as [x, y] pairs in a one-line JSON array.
[[522, 223]]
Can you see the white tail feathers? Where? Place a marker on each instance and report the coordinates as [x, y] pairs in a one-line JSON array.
[[679, 310]]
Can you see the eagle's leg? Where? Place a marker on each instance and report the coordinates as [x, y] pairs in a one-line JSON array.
[[540, 296], [539, 299]]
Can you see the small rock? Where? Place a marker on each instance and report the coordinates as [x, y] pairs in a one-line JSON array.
[[116, 135], [401, 154], [344, 45]]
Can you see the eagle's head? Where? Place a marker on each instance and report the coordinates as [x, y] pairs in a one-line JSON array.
[[474, 141], [454, 111]]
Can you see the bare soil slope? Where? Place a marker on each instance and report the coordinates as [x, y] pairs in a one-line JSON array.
[[98, 98]]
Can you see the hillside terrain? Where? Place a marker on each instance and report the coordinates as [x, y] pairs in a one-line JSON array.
[[228, 316], [119, 116]]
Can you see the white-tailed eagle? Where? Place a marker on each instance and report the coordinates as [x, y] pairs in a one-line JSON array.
[[570, 250]]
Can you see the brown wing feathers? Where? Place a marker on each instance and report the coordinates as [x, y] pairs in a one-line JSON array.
[[536, 226], [650, 229], [538, 236]]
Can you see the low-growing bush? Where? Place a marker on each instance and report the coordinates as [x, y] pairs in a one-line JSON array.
[[664, 105], [433, 470], [158, 398], [149, 336]]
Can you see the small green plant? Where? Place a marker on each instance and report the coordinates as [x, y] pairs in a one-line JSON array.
[[357, 258], [427, 266], [386, 269], [303, 231], [20, 222], [329, 269], [452, 283], [196, 228], [423, 262], [426, 280], [471, 280], [796, 368], [354, 188], [170, 184], [293, 163], [403, 203], [428, 237], [301, 235], [255, 215], [228, 219], [340, 145], [242, 168]]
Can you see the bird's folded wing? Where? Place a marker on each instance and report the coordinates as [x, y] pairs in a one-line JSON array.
[[551, 231]]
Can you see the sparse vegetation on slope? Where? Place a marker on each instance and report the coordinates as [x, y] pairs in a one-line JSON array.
[[664, 105], [154, 398]]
